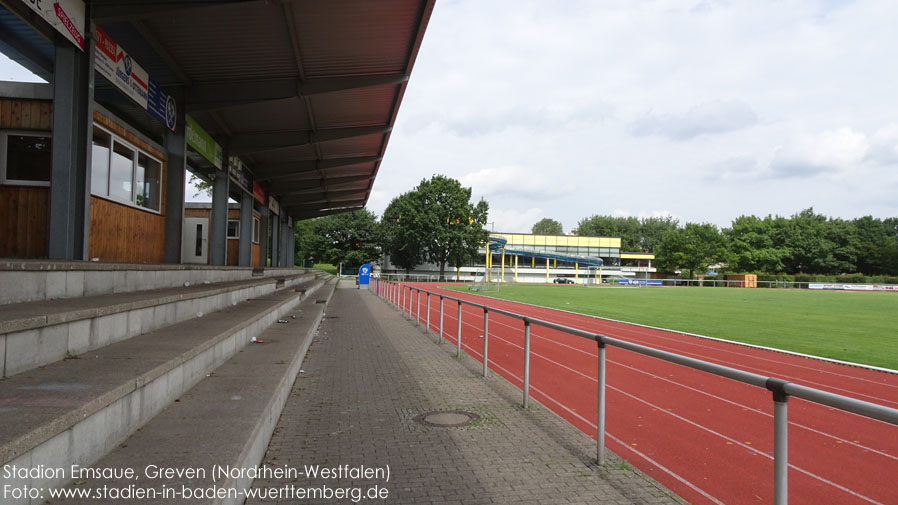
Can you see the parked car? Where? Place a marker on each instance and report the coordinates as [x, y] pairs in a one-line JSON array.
[[563, 280]]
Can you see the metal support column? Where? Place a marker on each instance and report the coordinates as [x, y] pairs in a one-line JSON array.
[[282, 242], [69, 227], [427, 323], [245, 247], [600, 405], [780, 441], [486, 342], [458, 339], [263, 236], [218, 250], [276, 240], [441, 319], [175, 184], [526, 387], [290, 241]]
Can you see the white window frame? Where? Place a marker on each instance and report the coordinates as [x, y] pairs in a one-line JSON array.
[[4, 136], [237, 236], [257, 229], [137, 151]]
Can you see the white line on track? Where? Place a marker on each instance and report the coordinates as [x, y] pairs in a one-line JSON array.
[[659, 409]]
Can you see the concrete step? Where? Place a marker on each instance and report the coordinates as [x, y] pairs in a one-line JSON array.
[[33, 334], [37, 280], [74, 411], [227, 419]]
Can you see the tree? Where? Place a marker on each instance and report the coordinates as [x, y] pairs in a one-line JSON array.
[[546, 226], [652, 230], [305, 240], [452, 227], [350, 239], [399, 230], [753, 247], [435, 222], [693, 248], [627, 228]]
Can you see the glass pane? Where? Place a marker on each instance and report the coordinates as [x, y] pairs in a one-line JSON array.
[[99, 163], [199, 240], [233, 229], [28, 158], [256, 227], [121, 172], [148, 181]]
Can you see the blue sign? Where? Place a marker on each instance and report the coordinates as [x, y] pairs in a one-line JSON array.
[[364, 274]]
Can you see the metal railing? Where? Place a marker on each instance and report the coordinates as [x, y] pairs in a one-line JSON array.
[[781, 390]]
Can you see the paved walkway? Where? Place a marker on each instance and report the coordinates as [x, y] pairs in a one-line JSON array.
[[370, 372]]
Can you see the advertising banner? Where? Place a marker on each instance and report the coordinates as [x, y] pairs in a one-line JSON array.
[[65, 16], [203, 143], [259, 193], [365, 274], [274, 206], [240, 174], [113, 63]]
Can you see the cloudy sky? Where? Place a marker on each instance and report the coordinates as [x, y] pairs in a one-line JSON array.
[[705, 110], [702, 109]]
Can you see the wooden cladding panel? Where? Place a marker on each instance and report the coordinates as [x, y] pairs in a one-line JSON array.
[[21, 114], [203, 213], [256, 253], [124, 234], [24, 221], [233, 252]]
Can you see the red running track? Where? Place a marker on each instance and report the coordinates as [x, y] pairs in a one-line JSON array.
[[707, 438]]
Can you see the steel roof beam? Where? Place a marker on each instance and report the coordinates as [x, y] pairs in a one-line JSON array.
[[299, 200], [327, 204], [107, 11], [221, 95], [269, 141], [325, 195], [272, 171], [315, 185], [302, 215]]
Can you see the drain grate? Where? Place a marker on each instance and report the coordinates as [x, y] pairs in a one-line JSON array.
[[447, 418], [320, 301]]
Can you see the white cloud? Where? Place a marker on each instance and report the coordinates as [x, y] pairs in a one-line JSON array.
[[704, 119], [515, 181], [514, 220], [826, 152]]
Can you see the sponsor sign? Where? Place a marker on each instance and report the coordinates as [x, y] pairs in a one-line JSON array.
[[258, 193], [202, 142], [65, 16], [274, 206], [240, 174], [854, 287], [365, 274], [639, 282], [113, 63]]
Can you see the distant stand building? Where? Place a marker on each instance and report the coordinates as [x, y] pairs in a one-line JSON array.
[[527, 258]]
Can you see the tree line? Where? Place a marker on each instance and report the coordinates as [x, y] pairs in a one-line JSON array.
[[435, 222], [805, 243]]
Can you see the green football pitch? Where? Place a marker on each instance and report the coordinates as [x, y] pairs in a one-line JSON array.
[[848, 326]]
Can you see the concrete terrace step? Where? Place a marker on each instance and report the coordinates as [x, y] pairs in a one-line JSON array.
[[37, 333], [74, 411], [36, 280], [227, 419]]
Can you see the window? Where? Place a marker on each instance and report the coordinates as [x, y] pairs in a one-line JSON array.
[[26, 158], [257, 229], [123, 172], [233, 228]]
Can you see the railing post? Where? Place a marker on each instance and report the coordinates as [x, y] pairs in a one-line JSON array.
[[600, 407], [526, 363], [418, 310], [780, 441], [486, 341], [441, 320], [427, 325], [401, 299], [458, 340]]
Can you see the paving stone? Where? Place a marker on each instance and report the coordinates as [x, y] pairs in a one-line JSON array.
[[370, 372]]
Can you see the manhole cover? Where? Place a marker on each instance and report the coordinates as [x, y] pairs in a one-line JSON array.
[[447, 418]]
